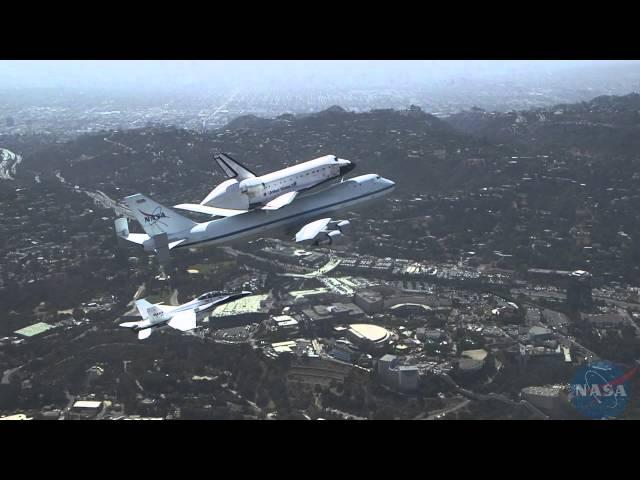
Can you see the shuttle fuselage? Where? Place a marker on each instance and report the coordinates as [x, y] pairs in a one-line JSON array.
[[258, 191]]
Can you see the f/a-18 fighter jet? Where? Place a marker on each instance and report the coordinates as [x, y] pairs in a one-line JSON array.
[[183, 317]]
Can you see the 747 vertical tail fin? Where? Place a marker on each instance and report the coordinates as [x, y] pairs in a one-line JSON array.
[[156, 219]]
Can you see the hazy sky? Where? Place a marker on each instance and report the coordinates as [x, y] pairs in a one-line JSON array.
[[269, 74]]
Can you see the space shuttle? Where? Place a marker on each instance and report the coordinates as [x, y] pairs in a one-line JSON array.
[[245, 191]]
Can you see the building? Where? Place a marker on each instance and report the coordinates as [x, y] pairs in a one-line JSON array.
[[408, 377], [542, 356], [313, 259], [338, 312], [579, 295], [430, 334], [17, 416], [366, 335], [284, 347], [550, 399], [472, 361], [286, 322], [35, 329], [386, 365], [369, 301], [556, 320], [401, 377], [539, 334], [407, 309], [94, 373], [608, 320], [343, 352], [532, 316], [245, 310], [85, 409]]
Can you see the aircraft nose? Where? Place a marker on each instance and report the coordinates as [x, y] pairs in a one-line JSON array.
[[346, 168]]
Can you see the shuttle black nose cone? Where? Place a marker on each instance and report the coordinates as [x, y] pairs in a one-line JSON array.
[[347, 168]]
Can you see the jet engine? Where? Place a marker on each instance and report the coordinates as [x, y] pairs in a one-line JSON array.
[[323, 232], [344, 226]]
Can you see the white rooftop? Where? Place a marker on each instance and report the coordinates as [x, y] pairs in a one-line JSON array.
[[87, 404]]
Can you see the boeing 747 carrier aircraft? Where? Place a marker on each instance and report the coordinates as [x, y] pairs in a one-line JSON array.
[[167, 230], [245, 191]]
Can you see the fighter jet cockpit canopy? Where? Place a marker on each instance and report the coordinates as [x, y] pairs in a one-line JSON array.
[[208, 295]]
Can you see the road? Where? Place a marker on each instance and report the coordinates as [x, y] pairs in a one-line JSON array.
[[122, 145], [217, 110], [133, 310], [173, 299], [104, 200], [447, 411], [344, 415], [71, 399], [6, 377], [491, 396]]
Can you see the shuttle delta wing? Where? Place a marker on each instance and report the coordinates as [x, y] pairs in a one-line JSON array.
[[155, 218], [280, 201], [183, 321], [233, 169]]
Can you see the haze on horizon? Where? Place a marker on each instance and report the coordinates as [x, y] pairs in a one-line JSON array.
[[296, 75]]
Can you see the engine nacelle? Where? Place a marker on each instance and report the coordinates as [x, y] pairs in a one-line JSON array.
[[335, 237], [345, 227], [227, 195]]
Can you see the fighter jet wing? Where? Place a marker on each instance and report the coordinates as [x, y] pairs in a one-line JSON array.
[[311, 230], [183, 321], [280, 201], [146, 333], [213, 211]]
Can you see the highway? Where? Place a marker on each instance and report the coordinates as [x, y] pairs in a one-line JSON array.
[[491, 396], [447, 411], [6, 377], [221, 107]]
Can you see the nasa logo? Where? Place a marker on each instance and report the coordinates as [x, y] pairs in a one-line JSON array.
[[154, 217], [601, 390]]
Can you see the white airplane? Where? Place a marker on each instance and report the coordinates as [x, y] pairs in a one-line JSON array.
[[166, 229], [245, 191], [183, 317]]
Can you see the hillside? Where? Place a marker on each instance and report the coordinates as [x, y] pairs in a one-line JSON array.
[[606, 125], [417, 150]]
